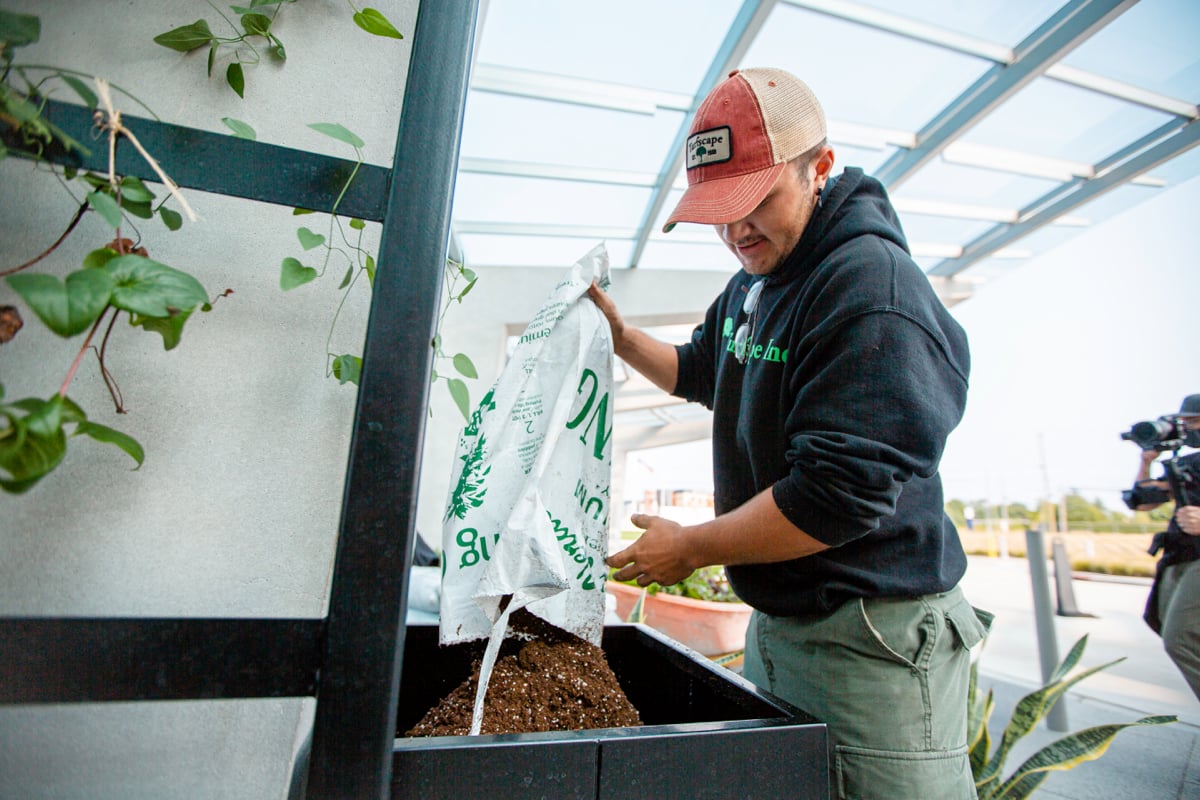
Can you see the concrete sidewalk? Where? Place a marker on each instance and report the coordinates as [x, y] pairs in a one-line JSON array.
[[1156, 763]]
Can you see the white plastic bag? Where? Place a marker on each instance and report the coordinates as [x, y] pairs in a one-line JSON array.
[[527, 517]]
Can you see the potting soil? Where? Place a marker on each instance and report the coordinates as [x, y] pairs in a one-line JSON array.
[[552, 682]]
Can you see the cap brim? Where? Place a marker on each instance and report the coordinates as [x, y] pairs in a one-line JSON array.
[[721, 200]]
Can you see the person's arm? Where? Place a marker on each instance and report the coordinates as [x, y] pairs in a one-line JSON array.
[[1143, 480], [756, 532], [655, 359]]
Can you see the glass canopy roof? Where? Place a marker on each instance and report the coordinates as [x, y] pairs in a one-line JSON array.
[[1000, 127]]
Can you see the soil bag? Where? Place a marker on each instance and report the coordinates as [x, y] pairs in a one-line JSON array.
[[526, 524]]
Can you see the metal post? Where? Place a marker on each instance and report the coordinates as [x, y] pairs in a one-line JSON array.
[[1043, 617], [355, 724]]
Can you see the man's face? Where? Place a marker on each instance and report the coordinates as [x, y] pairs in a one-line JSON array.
[[1192, 423], [768, 234]]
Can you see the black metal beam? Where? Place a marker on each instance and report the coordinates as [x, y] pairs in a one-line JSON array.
[[221, 164], [86, 660], [360, 675]]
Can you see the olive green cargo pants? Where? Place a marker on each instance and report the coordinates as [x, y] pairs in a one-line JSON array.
[[890, 678]]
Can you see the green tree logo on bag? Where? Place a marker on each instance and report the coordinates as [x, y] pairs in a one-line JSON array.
[[471, 487]]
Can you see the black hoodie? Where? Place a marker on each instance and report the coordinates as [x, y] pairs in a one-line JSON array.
[[855, 375]]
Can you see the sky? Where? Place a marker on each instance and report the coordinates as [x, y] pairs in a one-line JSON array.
[[1067, 353]]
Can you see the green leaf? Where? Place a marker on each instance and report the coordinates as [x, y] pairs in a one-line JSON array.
[[103, 433], [277, 49], [346, 280], [236, 79], [169, 328], [19, 29], [172, 219], [107, 206], [45, 418], [85, 93], [69, 307], [357, 224], [1066, 753], [467, 289], [370, 268], [240, 129], [187, 37], [308, 239], [98, 258], [71, 412], [347, 369], [140, 210], [292, 274], [146, 287], [133, 190], [465, 366], [27, 456], [94, 180], [299, 212], [256, 24], [372, 21], [462, 397], [212, 57], [337, 132]]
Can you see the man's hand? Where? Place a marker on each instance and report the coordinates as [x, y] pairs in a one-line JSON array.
[[609, 309], [660, 555], [1149, 457], [1188, 519], [653, 358]]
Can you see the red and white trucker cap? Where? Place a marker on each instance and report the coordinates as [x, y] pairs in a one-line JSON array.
[[744, 133]]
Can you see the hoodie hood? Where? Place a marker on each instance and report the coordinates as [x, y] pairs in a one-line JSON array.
[[852, 204]]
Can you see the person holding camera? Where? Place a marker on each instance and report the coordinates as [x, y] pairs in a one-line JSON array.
[[1173, 607]]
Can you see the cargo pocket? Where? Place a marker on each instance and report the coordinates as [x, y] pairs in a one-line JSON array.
[[866, 774], [970, 625]]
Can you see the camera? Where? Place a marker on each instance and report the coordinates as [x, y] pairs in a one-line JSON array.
[[1165, 433]]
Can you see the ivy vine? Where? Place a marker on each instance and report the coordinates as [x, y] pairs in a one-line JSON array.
[[254, 29], [120, 278]]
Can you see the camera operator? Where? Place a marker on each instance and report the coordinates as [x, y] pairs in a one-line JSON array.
[[1173, 607]]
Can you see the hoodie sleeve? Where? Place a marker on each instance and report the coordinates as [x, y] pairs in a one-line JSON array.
[[880, 388]]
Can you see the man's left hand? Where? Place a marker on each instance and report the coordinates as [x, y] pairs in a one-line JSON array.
[[659, 556]]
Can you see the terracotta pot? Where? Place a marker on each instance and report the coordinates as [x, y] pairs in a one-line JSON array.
[[708, 627]]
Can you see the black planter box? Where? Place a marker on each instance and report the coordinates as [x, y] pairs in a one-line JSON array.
[[708, 733]]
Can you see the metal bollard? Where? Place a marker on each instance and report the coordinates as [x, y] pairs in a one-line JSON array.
[[1043, 617]]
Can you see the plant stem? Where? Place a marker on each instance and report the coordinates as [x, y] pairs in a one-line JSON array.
[[62, 390], [125, 92], [114, 391], [74, 221]]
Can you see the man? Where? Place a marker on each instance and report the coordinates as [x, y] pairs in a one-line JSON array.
[[1173, 608], [834, 374]]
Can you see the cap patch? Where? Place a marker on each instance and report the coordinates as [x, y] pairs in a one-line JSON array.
[[709, 147]]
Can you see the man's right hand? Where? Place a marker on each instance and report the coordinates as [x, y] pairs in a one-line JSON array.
[[653, 358], [609, 309]]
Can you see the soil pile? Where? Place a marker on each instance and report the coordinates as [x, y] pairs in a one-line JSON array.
[[553, 681]]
